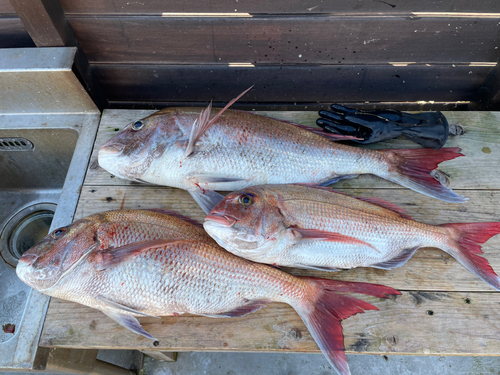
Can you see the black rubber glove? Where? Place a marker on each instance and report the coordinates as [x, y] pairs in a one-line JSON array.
[[429, 129]]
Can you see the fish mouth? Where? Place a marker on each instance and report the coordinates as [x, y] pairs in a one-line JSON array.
[[224, 220], [27, 259], [23, 268], [111, 149]]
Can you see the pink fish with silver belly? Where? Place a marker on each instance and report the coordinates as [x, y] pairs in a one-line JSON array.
[[202, 151], [315, 227], [130, 263]]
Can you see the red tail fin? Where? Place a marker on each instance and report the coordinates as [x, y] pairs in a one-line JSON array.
[[411, 168], [469, 237], [323, 315]]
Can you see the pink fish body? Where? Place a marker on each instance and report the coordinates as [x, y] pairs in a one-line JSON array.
[[135, 262], [242, 149], [314, 227]]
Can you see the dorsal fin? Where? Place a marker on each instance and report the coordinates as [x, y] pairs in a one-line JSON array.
[[202, 124], [177, 215], [318, 131], [372, 200], [385, 204]]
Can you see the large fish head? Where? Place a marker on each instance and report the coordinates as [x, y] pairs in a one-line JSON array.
[[131, 152], [46, 263], [247, 223]]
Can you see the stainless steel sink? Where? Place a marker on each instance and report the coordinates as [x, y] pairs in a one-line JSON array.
[[31, 184], [47, 129]]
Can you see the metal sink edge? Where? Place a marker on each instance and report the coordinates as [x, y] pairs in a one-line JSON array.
[[20, 352]]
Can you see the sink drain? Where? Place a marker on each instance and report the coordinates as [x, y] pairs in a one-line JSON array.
[[24, 230]]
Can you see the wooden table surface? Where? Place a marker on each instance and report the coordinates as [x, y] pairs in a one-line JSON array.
[[443, 309]]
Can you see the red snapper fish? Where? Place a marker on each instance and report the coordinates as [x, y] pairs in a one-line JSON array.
[[317, 228], [130, 263], [186, 149]]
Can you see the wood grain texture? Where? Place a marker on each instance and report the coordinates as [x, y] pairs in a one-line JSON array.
[[45, 22], [6, 8], [291, 83], [477, 170], [13, 34], [460, 324], [74, 7], [288, 40]]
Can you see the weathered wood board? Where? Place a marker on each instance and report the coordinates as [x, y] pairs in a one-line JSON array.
[[268, 39], [366, 7], [460, 324], [443, 310]]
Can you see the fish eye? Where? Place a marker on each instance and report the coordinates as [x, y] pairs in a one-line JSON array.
[[138, 125], [58, 233], [245, 200]]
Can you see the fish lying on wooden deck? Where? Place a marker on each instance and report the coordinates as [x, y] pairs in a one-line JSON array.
[[184, 148], [129, 263], [315, 227]]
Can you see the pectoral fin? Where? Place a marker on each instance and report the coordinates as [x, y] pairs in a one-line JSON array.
[[117, 306], [104, 259], [207, 199], [212, 178], [128, 321], [310, 235]]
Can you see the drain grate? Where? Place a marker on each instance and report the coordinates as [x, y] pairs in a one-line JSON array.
[[15, 144]]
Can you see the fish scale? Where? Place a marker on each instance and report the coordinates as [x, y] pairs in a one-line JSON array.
[[242, 149], [129, 263], [327, 217]]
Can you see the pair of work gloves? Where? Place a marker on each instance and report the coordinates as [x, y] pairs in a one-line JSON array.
[[429, 129]]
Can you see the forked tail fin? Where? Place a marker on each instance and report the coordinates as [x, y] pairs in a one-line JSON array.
[[468, 238], [411, 168], [323, 314]]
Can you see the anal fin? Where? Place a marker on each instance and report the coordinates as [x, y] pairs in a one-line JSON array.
[[398, 261], [240, 311]]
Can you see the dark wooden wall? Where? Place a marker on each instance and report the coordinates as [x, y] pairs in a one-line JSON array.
[[422, 53]]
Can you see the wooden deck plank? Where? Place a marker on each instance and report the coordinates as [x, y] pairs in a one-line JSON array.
[[477, 170], [444, 309], [460, 324]]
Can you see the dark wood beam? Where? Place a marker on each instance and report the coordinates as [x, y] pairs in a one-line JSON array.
[[48, 26], [488, 95]]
